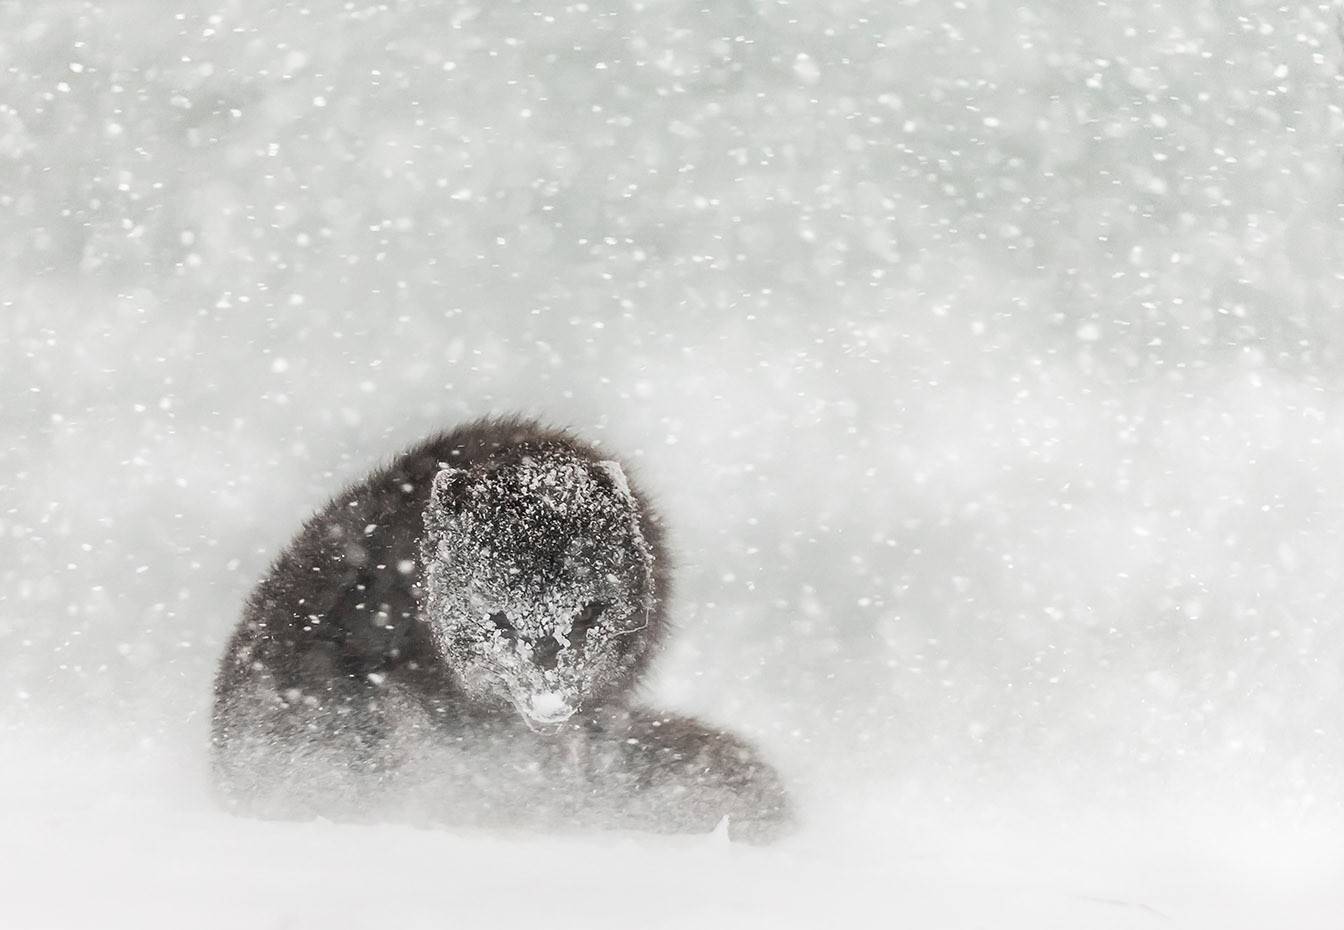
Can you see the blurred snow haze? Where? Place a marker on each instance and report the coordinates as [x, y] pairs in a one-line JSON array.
[[985, 359]]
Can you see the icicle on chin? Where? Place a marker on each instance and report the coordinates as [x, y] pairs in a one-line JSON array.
[[548, 707], [542, 707]]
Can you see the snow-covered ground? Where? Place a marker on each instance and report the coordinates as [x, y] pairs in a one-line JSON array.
[[987, 360], [133, 843]]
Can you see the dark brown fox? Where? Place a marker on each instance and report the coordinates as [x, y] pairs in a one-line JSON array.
[[458, 639]]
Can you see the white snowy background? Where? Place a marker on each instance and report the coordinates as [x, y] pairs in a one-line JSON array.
[[986, 358]]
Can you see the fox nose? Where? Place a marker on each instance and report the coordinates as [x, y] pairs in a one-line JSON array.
[[546, 652]]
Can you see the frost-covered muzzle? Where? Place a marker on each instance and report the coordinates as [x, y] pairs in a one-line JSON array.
[[537, 580]]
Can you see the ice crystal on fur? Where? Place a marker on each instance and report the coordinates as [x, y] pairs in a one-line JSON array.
[[534, 570]]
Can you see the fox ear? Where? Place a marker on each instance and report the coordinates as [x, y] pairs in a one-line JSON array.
[[442, 509], [617, 475], [444, 494]]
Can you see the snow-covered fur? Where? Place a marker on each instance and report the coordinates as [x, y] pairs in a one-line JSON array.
[[458, 638]]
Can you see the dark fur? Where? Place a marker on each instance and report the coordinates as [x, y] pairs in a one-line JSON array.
[[333, 700]]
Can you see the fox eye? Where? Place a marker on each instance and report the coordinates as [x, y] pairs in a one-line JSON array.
[[585, 619], [501, 623]]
